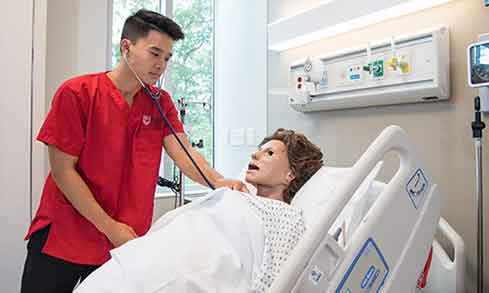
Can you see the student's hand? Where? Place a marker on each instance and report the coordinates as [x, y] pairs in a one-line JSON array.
[[119, 233], [233, 184]]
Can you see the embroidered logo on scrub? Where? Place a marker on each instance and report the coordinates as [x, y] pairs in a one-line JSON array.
[[416, 188], [146, 119]]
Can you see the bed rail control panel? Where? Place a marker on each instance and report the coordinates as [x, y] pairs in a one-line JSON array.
[[323, 267], [367, 272], [405, 69]]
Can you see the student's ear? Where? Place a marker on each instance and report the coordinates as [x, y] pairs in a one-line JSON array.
[[125, 44]]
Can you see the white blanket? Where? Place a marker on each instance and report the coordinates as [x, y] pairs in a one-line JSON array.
[[225, 242]]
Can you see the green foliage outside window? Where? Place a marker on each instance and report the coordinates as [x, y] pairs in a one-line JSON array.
[[122, 9], [191, 70]]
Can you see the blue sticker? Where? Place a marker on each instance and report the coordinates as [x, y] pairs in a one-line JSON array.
[[368, 276], [355, 76], [416, 188], [368, 271]]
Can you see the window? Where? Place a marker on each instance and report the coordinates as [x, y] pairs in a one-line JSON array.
[[122, 9], [190, 73]]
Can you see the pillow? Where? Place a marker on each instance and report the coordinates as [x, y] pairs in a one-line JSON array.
[[318, 191]]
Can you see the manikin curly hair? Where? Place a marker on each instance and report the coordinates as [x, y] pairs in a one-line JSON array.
[[305, 158]]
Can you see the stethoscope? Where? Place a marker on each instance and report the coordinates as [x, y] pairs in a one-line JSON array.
[[155, 99]]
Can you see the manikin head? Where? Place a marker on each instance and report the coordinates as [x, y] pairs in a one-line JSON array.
[[284, 161]]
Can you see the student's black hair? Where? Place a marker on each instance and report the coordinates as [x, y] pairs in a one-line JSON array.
[[142, 22]]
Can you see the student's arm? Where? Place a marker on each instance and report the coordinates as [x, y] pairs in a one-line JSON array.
[[178, 155], [79, 195]]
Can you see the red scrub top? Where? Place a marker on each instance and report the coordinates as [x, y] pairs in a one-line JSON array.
[[119, 150]]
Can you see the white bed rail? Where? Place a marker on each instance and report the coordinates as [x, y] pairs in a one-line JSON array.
[[447, 274], [400, 225]]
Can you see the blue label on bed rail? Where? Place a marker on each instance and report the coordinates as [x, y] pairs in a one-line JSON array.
[[416, 188], [368, 271]]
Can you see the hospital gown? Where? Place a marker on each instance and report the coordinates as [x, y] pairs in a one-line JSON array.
[[227, 241]]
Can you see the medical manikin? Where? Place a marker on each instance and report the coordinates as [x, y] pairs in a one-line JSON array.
[[227, 241]]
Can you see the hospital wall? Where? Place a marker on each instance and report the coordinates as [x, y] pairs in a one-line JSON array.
[[17, 103], [240, 81], [42, 43], [74, 46], [440, 130]]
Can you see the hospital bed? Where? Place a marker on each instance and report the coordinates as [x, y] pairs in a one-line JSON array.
[[389, 247]]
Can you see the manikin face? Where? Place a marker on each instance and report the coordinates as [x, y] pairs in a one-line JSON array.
[[269, 170], [149, 56]]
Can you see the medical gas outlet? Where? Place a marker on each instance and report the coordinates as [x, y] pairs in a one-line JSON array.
[[375, 69], [405, 69], [399, 64]]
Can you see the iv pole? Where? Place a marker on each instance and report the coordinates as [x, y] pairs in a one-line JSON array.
[[477, 127], [181, 177], [178, 185]]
